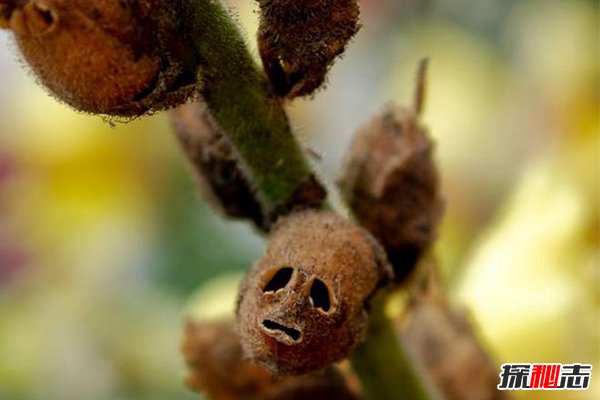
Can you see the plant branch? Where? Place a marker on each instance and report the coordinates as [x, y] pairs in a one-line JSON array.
[[381, 364], [242, 102]]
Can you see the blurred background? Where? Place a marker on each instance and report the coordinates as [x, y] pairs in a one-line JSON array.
[[104, 239]]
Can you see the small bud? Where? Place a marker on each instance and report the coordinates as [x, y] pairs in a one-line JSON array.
[[391, 182], [299, 40], [302, 306], [121, 58], [218, 369]]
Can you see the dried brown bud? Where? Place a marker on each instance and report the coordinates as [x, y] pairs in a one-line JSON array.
[[302, 306], [212, 155], [121, 58], [215, 360], [322, 385], [299, 40], [391, 183], [444, 344], [218, 369]]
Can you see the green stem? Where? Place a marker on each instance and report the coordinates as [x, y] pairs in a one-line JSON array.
[[383, 368], [241, 101]]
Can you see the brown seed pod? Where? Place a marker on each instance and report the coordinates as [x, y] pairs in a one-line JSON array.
[[443, 343], [391, 182], [303, 304], [217, 368], [211, 154], [214, 357], [122, 58], [299, 40]]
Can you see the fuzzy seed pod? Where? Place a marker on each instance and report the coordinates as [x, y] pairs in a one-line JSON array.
[[302, 305], [299, 40], [214, 357], [444, 344], [391, 183], [122, 58], [218, 369], [212, 155]]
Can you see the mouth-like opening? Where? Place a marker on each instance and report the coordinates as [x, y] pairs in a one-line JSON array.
[[294, 334]]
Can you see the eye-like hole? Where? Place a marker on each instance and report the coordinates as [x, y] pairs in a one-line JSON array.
[[40, 18], [319, 295], [279, 280], [45, 14]]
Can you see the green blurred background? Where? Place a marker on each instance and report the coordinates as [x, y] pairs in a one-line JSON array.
[[104, 239]]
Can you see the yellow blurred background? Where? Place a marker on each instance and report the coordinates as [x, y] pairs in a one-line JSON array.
[[103, 238]]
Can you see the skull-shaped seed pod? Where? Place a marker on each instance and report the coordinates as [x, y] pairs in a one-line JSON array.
[[391, 183], [217, 368], [121, 58], [304, 304], [299, 40]]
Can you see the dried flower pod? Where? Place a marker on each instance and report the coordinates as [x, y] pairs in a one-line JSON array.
[[302, 306], [443, 343], [212, 155], [122, 58], [214, 357], [321, 385], [391, 183], [299, 40], [217, 368]]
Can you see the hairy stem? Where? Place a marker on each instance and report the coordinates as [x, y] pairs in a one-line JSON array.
[[242, 102], [383, 368]]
